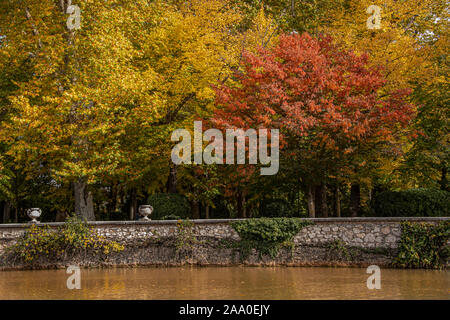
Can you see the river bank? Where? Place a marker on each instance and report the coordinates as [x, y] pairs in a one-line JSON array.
[[211, 252]]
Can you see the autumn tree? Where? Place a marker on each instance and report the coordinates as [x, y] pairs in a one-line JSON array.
[[408, 44], [208, 44], [101, 100], [294, 15], [428, 159], [324, 99], [81, 81]]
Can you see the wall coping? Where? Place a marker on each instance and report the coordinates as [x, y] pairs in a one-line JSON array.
[[225, 221]]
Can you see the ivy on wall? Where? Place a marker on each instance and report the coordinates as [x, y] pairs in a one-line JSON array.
[[423, 245], [185, 239], [267, 235]]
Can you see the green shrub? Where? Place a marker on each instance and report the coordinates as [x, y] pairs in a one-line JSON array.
[[412, 203], [74, 237], [423, 245], [278, 209], [169, 204], [267, 235]]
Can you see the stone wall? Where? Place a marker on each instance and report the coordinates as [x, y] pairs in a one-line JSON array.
[[366, 234], [150, 242]]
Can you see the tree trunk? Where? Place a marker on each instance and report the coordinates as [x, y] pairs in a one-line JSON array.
[[195, 209], [84, 204], [249, 211], [321, 201], [117, 198], [240, 205], [7, 212], [172, 179], [355, 199], [206, 212], [337, 202], [16, 214], [133, 205], [324, 201], [318, 201], [112, 199], [311, 205]]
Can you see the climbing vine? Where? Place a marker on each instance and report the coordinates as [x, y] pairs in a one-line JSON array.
[[267, 235], [185, 238], [423, 245]]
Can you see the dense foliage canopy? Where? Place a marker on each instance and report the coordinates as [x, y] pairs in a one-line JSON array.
[[86, 114]]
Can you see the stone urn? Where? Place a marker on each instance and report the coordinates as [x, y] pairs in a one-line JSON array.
[[34, 213], [145, 211]]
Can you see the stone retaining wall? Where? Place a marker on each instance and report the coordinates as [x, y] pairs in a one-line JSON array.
[[382, 234], [363, 233]]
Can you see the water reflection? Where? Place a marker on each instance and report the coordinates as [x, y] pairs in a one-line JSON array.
[[225, 283]]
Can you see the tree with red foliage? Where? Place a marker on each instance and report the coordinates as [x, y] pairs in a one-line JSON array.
[[328, 103]]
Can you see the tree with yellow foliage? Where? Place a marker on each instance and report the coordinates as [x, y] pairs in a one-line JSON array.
[[406, 45], [403, 43], [106, 90]]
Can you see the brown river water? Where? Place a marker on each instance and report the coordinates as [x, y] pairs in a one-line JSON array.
[[225, 283]]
